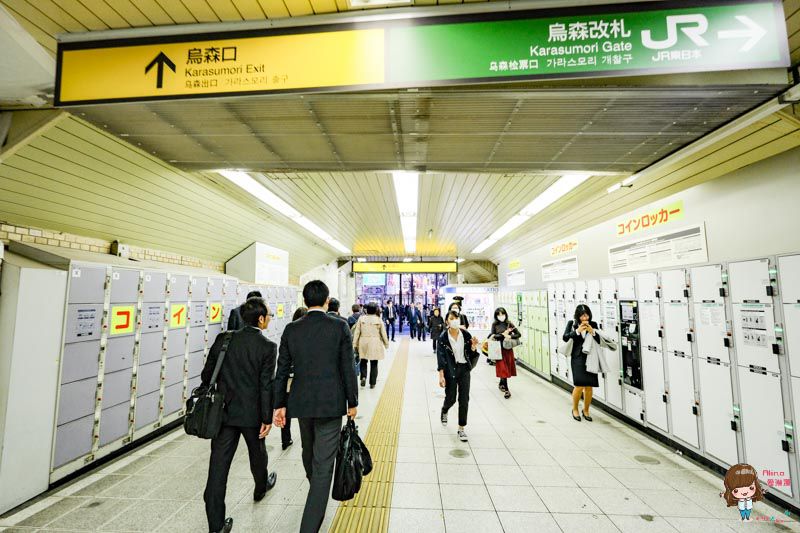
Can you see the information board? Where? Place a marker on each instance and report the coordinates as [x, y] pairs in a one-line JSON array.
[[676, 248], [566, 268]]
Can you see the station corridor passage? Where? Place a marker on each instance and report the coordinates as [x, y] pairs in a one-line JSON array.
[[528, 467]]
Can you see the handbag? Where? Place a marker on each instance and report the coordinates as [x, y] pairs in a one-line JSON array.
[[353, 462], [205, 406], [510, 344], [565, 347], [495, 351]]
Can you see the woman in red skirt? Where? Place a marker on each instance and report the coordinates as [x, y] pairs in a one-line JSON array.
[[503, 330]]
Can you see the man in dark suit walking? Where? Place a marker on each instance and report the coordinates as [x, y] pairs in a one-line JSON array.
[[235, 318], [246, 379], [389, 316], [320, 348]]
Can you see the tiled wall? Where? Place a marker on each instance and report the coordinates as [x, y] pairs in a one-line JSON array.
[[10, 232]]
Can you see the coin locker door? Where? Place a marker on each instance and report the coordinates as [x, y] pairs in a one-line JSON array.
[[581, 293], [634, 407], [80, 363], [652, 354], [569, 299], [753, 315], [678, 348], [717, 416], [789, 269], [613, 392], [594, 299], [763, 422], [553, 324], [177, 339], [626, 288], [709, 313]]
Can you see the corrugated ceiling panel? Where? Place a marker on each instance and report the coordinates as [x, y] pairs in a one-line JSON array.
[[274, 8], [177, 11], [225, 10], [155, 13], [759, 141], [249, 9], [134, 16], [76, 178]]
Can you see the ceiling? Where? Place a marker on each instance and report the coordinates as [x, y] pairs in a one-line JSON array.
[[477, 129]]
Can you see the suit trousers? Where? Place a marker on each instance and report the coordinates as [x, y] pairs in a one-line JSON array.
[[420, 331], [286, 432], [320, 443], [390, 324], [458, 387], [223, 448], [412, 326], [373, 371]]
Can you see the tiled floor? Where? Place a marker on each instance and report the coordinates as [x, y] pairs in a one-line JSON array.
[[528, 467]]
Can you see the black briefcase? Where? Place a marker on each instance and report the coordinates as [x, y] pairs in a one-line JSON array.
[[205, 406]]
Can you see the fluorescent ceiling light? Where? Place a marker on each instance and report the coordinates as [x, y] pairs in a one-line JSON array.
[[617, 186], [407, 260], [629, 180], [364, 4], [246, 182], [406, 189], [362, 259], [459, 259], [555, 191]]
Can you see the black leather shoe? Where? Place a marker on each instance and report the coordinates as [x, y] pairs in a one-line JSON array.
[[587, 418], [286, 444], [575, 417], [371, 385], [363, 382], [272, 479], [227, 527]]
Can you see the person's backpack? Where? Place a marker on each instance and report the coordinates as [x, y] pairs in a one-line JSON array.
[[204, 408]]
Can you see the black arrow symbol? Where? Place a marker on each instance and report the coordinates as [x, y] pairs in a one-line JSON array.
[[160, 60]]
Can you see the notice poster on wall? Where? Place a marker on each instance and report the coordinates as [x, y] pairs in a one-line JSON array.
[[516, 278], [676, 248], [566, 268]]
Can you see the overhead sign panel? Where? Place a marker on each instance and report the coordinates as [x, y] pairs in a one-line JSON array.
[[576, 42], [403, 268]]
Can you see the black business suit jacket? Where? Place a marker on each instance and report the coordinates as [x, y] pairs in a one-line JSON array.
[[320, 349], [246, 376]]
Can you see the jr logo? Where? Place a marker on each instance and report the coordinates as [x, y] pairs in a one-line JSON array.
[[693, 26]]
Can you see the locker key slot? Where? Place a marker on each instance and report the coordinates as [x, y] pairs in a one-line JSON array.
[[734, 426], [641, 415], [785, 445], [690, 337], [727, 342], [694, 410], [722, 292], [776, 349], [660, 333], [658, 294], [770, 290], [686, 293], [664, 398]]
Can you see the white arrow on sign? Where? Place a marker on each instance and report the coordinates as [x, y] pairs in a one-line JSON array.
[[753, 31]]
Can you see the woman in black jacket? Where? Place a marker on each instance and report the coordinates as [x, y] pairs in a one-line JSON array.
[[435, 326], [577, 330], [456, 356], [503, 330]]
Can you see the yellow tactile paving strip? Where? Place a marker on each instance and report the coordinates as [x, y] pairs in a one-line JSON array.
[[368, 512]]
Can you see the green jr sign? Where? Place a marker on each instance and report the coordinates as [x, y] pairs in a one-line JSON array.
[[651, 40]]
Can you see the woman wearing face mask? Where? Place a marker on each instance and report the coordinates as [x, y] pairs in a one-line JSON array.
[[577, 330], [503, 330], [456, 355], [456, 306]]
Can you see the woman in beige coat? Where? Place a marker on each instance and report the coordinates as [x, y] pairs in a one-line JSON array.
[[371, 341]]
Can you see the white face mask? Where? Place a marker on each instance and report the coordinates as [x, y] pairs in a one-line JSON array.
[[454, 323], [501, 318]]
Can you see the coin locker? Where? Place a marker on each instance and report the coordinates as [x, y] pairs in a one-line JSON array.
[[594, 301], [610, 323], [678, 337], [718, 421], [655, 396]]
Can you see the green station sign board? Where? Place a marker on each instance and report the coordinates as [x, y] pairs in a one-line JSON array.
[[597, 41]]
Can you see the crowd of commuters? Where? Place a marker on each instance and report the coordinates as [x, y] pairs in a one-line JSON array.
[[310, 377]]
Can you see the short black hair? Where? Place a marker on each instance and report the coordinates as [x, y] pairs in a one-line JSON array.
[[372, 308], [252, 309], [453, 314], [581, 310], [454, 304], [356, 308], [253, 294], [315, 293], [333, 305], [299, 313]]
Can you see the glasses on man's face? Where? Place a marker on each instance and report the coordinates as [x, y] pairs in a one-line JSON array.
[[271, 315]]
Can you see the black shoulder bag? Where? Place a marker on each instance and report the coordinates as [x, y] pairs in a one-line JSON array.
[[204, 408]]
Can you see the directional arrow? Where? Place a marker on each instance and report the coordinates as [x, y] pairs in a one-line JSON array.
[[753, 31], [160, 60]]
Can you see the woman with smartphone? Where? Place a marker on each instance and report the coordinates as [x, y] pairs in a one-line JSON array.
[[577, 331]]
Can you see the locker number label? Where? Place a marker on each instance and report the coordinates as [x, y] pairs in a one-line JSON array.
[[177, 316], [215, 313], [122, 319]]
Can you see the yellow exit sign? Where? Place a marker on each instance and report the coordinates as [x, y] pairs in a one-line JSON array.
[[110, 71]]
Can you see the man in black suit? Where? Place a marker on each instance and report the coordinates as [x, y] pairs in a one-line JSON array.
[[320, 348], [246, 379], [333, 309], [389, 316], [235, 318]]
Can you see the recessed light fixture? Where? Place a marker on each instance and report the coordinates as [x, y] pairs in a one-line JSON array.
[[624, 183], [613, 188], [408, 259], [247, 183], [459, 259], [555, 191], [362, 259], [406, 189]]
